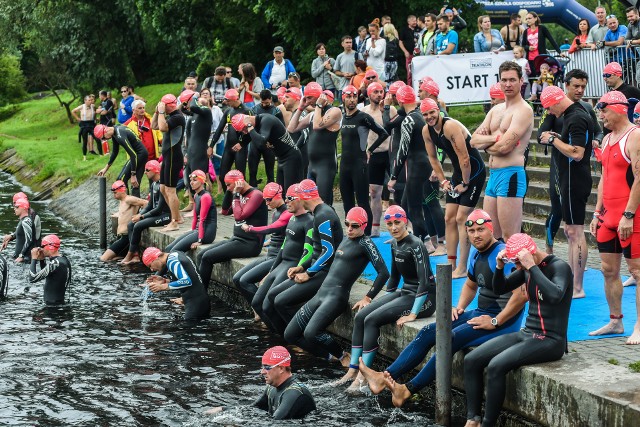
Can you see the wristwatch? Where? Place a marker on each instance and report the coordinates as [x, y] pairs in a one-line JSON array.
[[199, 240], [464, 184], [628, 215], [249, 126], [494, 322], [551, 139]]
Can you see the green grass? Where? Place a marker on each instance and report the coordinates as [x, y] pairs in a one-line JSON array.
[[635, 366], [613, 361], [471, 116]]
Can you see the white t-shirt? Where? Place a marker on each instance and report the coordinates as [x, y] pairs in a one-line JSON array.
[[278, 73]]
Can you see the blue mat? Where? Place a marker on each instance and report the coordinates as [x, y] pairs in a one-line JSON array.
[[587, 314]]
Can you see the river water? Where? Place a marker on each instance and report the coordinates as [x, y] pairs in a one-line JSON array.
[[105, 361]]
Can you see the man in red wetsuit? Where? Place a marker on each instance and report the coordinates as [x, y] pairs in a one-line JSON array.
[[615, 224]]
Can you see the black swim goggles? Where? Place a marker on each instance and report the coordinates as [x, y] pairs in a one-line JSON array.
[[603, 105], [353, 225], [290, 198], [479, 221]]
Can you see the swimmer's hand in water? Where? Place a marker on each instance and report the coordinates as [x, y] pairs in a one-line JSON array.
[[157, 286], [214, 411]]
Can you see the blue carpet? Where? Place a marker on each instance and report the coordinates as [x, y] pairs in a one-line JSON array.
[[587, 314]]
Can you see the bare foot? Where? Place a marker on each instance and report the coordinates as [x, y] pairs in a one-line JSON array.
[[634, 339], [429, 247], [456, 274], [399, 392], [345, 360], [356, 385], [181, 220], [178, 301], [440, 250], [133, 260], [374, 378], [629, 282], [549, 249], [125, 260], [578, 293], [188, 214], [349, 376], [172, 226], [471, 423], [614, 326]]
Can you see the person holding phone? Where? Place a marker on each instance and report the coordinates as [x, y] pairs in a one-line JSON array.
[[580, 41], [321, 66]]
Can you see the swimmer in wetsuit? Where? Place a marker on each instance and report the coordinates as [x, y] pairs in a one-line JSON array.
[[56, 273], [24, 232], [354, 172], [324, 124], [183, 278], [293, 252], [198, 130], [416, 298], [307, 330], [495, 315], [269, 134], [464, 187], [285, 397], [306, 278], [248, 276], [547, 282], [4, 277]]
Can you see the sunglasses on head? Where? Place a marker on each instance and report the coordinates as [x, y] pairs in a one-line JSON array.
[[353, 225], [397, 215], [479, 221], [270, 367], [294, 75], [290, 198], [610, 16], [603, 105]]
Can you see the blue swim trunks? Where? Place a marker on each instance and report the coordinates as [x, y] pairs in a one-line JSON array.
[[507, 182]]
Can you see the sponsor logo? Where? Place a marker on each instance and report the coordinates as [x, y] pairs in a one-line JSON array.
[[480, 63]]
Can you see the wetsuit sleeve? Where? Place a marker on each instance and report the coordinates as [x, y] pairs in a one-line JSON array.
[[194, 221], [547, 121], [377, 261], [598, 134], [115, 149], [276, 226], [27, 227], [262, 402], [388, 122], [307, 253], [394, 278], [260, 138], [242, 211], [406, 129], [225, 209], [205, 205], [502, 284], [195, 108], [159, 208], [379, 130], [421, 259], [182, 278], [554, 287], [34, 276], [579, 134], [133, 141], [329, 246], [220, 128], [278, 115]]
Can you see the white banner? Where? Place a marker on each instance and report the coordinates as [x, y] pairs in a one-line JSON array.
[[463, 78]]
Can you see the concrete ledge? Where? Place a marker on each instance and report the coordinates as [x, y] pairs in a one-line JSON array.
[[578, 390]]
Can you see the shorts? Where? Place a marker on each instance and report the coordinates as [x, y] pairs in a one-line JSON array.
[[607, 236], [470, 197], [510, 181], [378, 167], [121, 246], [573, 202], [172, 163]]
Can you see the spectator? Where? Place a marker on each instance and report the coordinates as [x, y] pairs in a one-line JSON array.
[[427, 39], [580, 41], [275, 73], [512, 33], [361, 70], [632, 40], [597, 32], [375, 49], [360, 41], [455, 19], [140, 124], [125, 111], [392, 53], [488, 39], [229, 74], [446, 38], [386, 19], [250, 86], [408, 41], [321, 66], [614, 39], [344, 66], [612, 75], [86, 121], [218, 85], [293, 80], [105, 110], [519, 57], [534, 39], [190, 83]]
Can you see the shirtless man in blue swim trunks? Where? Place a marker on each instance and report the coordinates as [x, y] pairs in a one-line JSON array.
[[505, 134]]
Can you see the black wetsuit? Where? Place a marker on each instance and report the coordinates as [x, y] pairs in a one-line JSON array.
[[4, 277], [24, 238], [248, 276], [418, 296], [322, 150], [229, 157], [549, 286], [270, 136], [198, 133], [172, 159], [301, 137], [294, 252], [57, 275], [204, 224], [354, 173], [290, 400], [478, 172], [258, 150], [138, 155], [187, 280], [393, 128], [156, 213], [287, 297], [247, 208], [308, 328]]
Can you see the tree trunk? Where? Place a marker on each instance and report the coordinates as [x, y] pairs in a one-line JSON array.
[[66, 105]]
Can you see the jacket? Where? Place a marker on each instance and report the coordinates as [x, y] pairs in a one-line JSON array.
[[266, 73]]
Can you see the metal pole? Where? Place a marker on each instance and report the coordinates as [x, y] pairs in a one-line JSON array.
[[102, 194], [443, 344]]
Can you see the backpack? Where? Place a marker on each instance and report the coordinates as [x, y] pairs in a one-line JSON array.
[[392, 52]]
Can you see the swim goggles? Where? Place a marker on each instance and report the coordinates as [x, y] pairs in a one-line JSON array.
[[397, 215], [603, 105], [353, 225], [479, 221], [290, 198], [270, 367], [636, 116]]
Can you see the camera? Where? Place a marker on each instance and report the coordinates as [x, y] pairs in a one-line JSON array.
[[578, 42], [143, 128]]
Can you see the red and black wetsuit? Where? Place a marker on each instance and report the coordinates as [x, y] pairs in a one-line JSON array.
[[203, 225]]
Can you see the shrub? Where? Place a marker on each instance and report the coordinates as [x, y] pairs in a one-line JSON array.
[[11, 80]]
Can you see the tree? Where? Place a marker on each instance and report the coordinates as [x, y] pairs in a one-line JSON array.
[[11, 80]]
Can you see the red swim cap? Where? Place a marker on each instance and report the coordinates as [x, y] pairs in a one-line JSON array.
[[119, 187], [480, 214], [99, 130], [20, 195], [293, 191], [495, 91], [373, 87], [329, 94], [169, 99], [394, 212], [431, 87], [293, 92], [231, 95], [636, 109], [202, 177], [371, 73], [276, 356], [613, 68], [406, 95], [313, 89], [393, 88], [238, 123], [349, 90], [307, 190], [186, 96], [233, 176], [51, 240], [280, 92], [152, 165], [428, 104], [272, 191], [150, 254], [518, 242], [551, 95], [615, 101], [358, 215], [21, 203]]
